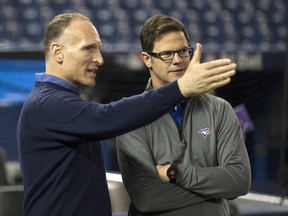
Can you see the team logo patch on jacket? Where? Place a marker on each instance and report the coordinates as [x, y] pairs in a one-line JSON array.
[[204, 131]]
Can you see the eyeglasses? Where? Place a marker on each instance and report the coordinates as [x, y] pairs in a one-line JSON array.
[[169, 54]]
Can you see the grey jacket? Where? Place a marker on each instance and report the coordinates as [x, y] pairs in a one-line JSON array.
[[210, 150]]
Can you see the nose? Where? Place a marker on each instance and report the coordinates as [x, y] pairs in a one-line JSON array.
[[98, 58], [176, 58]]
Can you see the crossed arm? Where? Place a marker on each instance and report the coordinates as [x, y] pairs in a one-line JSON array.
[[230, 176], [147, 182], [147, 191]]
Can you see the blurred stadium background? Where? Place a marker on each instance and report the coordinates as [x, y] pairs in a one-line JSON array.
[[253, 33]]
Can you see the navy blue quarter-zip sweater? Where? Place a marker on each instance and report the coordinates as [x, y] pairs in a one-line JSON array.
[[60, 156]]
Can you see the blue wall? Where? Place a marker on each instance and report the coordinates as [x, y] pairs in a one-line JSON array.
[[17, 78]]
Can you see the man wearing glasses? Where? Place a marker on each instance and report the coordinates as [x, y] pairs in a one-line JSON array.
[[192, 160]]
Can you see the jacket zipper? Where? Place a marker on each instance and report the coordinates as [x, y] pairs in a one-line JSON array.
[[179, 129], [181, 136]]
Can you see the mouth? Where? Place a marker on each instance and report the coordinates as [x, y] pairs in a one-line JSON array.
[[92, 71], [179, 70]]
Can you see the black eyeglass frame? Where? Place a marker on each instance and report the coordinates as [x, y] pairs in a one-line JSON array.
[[190, 50]]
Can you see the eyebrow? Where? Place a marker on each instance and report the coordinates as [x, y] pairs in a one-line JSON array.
[[92, 45], [184, 47]]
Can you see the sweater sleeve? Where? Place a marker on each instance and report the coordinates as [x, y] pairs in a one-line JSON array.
[[71, 119], [146, 190], [232, 176]]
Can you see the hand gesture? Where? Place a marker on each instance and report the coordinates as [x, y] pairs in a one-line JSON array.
[[204, 77]]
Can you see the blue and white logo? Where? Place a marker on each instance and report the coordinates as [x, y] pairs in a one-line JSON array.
[[204, 131]]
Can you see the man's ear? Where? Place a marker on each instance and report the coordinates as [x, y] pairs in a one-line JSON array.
[[57, 52], [146, 59]]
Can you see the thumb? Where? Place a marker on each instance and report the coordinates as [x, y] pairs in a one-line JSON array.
[[197, 54]]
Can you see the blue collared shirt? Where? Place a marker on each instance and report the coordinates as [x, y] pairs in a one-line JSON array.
[[178, 111], [43, 77]]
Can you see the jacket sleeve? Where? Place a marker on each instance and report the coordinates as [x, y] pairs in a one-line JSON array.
[[232, 176], [73, 120], [147, 192]]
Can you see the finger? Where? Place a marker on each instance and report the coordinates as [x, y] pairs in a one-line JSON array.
[[221, 78], [219, 84], [216, 63], [197, 54], [222, 69]]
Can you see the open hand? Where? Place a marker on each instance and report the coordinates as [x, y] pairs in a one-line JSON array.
[[204, 77]]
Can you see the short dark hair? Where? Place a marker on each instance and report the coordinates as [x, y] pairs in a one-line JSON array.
[[57, 26], [156, 26]]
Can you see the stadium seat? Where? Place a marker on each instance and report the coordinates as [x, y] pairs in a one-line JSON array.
[[223, 22]]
